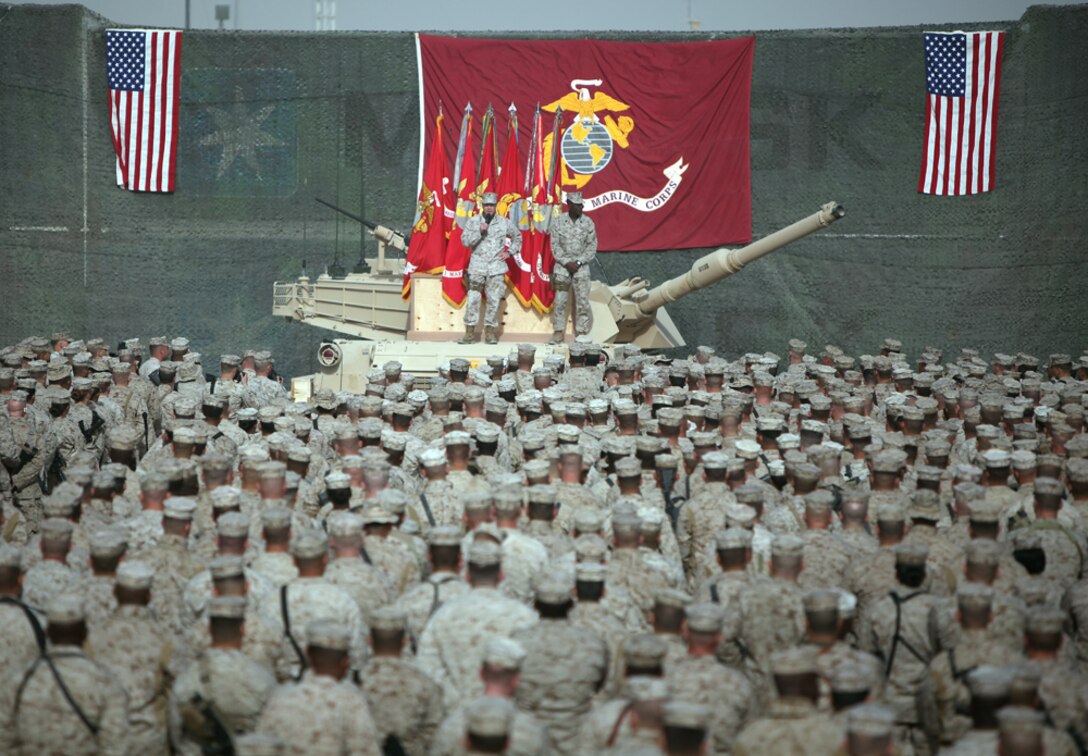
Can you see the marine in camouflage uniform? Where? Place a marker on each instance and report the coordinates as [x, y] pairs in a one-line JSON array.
[[904, 630], [140, 653], [452, 644], [443, 584], [700, 678], [18, 642], [35, 715], [792, 724], [574, 245], [405, 703], [486, 236], [501, 662], [564, 668], [323, 712], [223, 683]]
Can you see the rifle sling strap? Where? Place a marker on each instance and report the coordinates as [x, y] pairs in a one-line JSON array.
[[303, 664]]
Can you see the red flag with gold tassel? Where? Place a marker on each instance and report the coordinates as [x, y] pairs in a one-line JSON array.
[[545, 206], [457, 255], [434, 215], [511, 190]]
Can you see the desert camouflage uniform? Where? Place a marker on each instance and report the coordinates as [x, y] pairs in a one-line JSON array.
[[486, 272], [523, 557], [367, 585], [261, 391], [421, 602], [396, 560], [46, 580], [336, 718], [18, 644], [701, 518], [404, 703], [564, 667], [33, 442], [452, 645], [772, 618], [262, 641], [631, 577], [572, 241], [791, 726], [35, 717], [444, 501], [276, 568], [825, 559], [723, 588], [310, 599], [608, 729], [527, 736], [174, 567], [140, 653], [598, 618], [725, 692], [949, 670], [907, 622]]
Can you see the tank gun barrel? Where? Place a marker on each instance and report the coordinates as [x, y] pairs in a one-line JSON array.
[[723, 263], [384, 234]]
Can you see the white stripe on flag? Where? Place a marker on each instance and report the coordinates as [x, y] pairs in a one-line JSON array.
[[969, 123], [991, 52], [156, 131], [171, 68], [931, 144]]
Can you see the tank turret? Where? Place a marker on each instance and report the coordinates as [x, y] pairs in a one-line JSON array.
[[369, 307]]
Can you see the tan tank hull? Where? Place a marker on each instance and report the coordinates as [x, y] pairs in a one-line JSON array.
[[369, 308]]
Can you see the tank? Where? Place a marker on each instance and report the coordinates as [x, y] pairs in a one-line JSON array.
[[368, 308]]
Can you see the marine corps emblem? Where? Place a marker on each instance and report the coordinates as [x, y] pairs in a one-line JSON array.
[[588, 145]]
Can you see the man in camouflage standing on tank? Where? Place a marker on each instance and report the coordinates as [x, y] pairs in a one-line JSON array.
[[486, 236], [574, 244]]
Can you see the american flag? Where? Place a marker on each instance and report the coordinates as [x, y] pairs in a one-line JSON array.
[[963, 75], [144, 71]]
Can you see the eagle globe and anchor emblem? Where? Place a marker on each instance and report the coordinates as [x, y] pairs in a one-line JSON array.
[[589, 144]]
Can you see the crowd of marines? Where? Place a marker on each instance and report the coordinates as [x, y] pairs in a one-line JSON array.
[[582, 553]]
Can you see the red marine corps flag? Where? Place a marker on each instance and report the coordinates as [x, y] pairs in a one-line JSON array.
[[427, 248], [655, 135], [464, 180], [542, 209], [509, 187]]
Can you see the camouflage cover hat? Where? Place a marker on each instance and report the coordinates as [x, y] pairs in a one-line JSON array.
[[65, 609], [871, 719], [233, 525], [794, 661], [484, 553], [705, 617], [387, 619], [309, 544], [135, 575], [489, 716], [504, 653], [332, 636]]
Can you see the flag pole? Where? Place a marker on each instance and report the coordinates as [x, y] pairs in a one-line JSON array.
[[554, 162], [487, 123], [461, 147]]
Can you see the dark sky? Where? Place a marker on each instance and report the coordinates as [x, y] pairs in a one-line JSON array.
[[595, 15]]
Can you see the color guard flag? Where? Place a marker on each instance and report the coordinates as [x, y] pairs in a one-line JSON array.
[[434, 214], [457, 255], [963, 77], [144, 71]]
